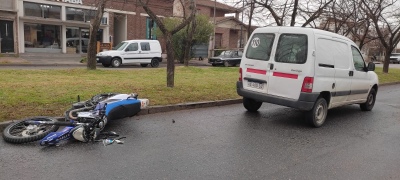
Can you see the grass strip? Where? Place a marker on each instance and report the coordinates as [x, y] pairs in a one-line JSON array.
[[25, 93]]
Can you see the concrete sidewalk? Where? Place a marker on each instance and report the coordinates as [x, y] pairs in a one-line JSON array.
[[49, 59]]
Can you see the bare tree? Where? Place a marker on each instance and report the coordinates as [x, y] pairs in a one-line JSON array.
[[290, 11], [383, 15], [94, 27], [168, 36], [348, 19]]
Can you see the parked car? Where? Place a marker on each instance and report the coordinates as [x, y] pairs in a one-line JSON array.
[[74, 42], [395, 58], [227, 58]]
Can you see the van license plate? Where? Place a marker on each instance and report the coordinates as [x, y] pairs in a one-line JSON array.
[[255, 85]]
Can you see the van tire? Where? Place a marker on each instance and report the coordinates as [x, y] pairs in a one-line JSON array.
[[317, 115], [115, 62], [251, 104], [106, 65], [144, 65], [369, 104], [154, 62]]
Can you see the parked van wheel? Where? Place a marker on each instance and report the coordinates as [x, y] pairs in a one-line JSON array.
[[115, 62], [106, 65], [369, 104], [226, 63], [154, 62], [317, 115], [251, 104], [144, 65]]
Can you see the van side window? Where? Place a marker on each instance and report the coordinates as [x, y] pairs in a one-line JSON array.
[[260, 46], [132, 47], [358, 61], [145, 46], [292, 48]]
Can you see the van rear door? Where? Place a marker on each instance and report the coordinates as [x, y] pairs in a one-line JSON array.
[[254, 64], [292, 63]]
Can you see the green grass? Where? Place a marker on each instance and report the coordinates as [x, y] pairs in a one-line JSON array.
[[25, 93], [392, 76]]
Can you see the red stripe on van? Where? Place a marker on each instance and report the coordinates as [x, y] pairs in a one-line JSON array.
[[257, 71], [286, 75]]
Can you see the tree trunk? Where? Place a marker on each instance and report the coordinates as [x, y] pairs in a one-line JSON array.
[[94, 27], [170, 59], [386, 62], [250, 18], [189, 40]]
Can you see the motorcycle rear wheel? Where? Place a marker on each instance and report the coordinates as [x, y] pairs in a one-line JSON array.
[[19, 132]]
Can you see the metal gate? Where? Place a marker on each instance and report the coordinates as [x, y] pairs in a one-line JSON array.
[[200, 51]]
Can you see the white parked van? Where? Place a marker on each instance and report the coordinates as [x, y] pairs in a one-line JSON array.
[[307, 69], [143, 52]]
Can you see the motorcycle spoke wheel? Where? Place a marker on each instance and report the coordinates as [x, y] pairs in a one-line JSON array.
[[20, 132]]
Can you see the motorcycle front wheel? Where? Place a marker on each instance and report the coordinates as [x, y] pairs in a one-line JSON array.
[[21, 132]]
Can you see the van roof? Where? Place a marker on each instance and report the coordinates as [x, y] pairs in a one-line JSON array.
[[306, 29], [141, 40]]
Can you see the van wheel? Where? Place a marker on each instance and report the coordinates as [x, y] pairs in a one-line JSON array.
[[106, 65], [317, 115], [226, 63], [144, 65], [369, 104], [214, 64], [154, 62], [251, 104], [115, 62]]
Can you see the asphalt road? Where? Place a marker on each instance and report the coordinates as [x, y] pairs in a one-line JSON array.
[[227, 142]]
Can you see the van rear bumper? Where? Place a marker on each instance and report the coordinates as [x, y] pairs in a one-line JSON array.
[[305, 102]]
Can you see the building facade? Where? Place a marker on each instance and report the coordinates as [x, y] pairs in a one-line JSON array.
[[62, 26], [8, 26], [229, 32]]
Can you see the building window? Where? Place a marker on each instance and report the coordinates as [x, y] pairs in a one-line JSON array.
[[42, 10], [76, 14], [42, 36]]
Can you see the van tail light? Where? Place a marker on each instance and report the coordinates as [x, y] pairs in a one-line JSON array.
[[240, 74], [307, 84]]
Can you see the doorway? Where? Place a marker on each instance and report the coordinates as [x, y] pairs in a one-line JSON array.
[[7, 36]]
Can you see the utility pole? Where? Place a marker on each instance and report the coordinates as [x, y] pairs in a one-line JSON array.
[[213, 43], [241, 28]]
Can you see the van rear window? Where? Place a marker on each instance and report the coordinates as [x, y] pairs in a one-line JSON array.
[[260, 46], [292, 48]]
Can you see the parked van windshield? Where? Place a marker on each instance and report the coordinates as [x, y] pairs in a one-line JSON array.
[[260, 46], [121, 46], [292, 48]]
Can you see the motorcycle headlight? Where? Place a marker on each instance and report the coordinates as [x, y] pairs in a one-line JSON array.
[[79, 134]]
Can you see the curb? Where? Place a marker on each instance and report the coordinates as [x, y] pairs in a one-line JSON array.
[[159, 109]]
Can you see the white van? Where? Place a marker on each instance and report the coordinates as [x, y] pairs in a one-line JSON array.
[[306, 69], [143, 52]]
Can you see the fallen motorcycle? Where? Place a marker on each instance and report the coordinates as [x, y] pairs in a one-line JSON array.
[[84, 121]]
